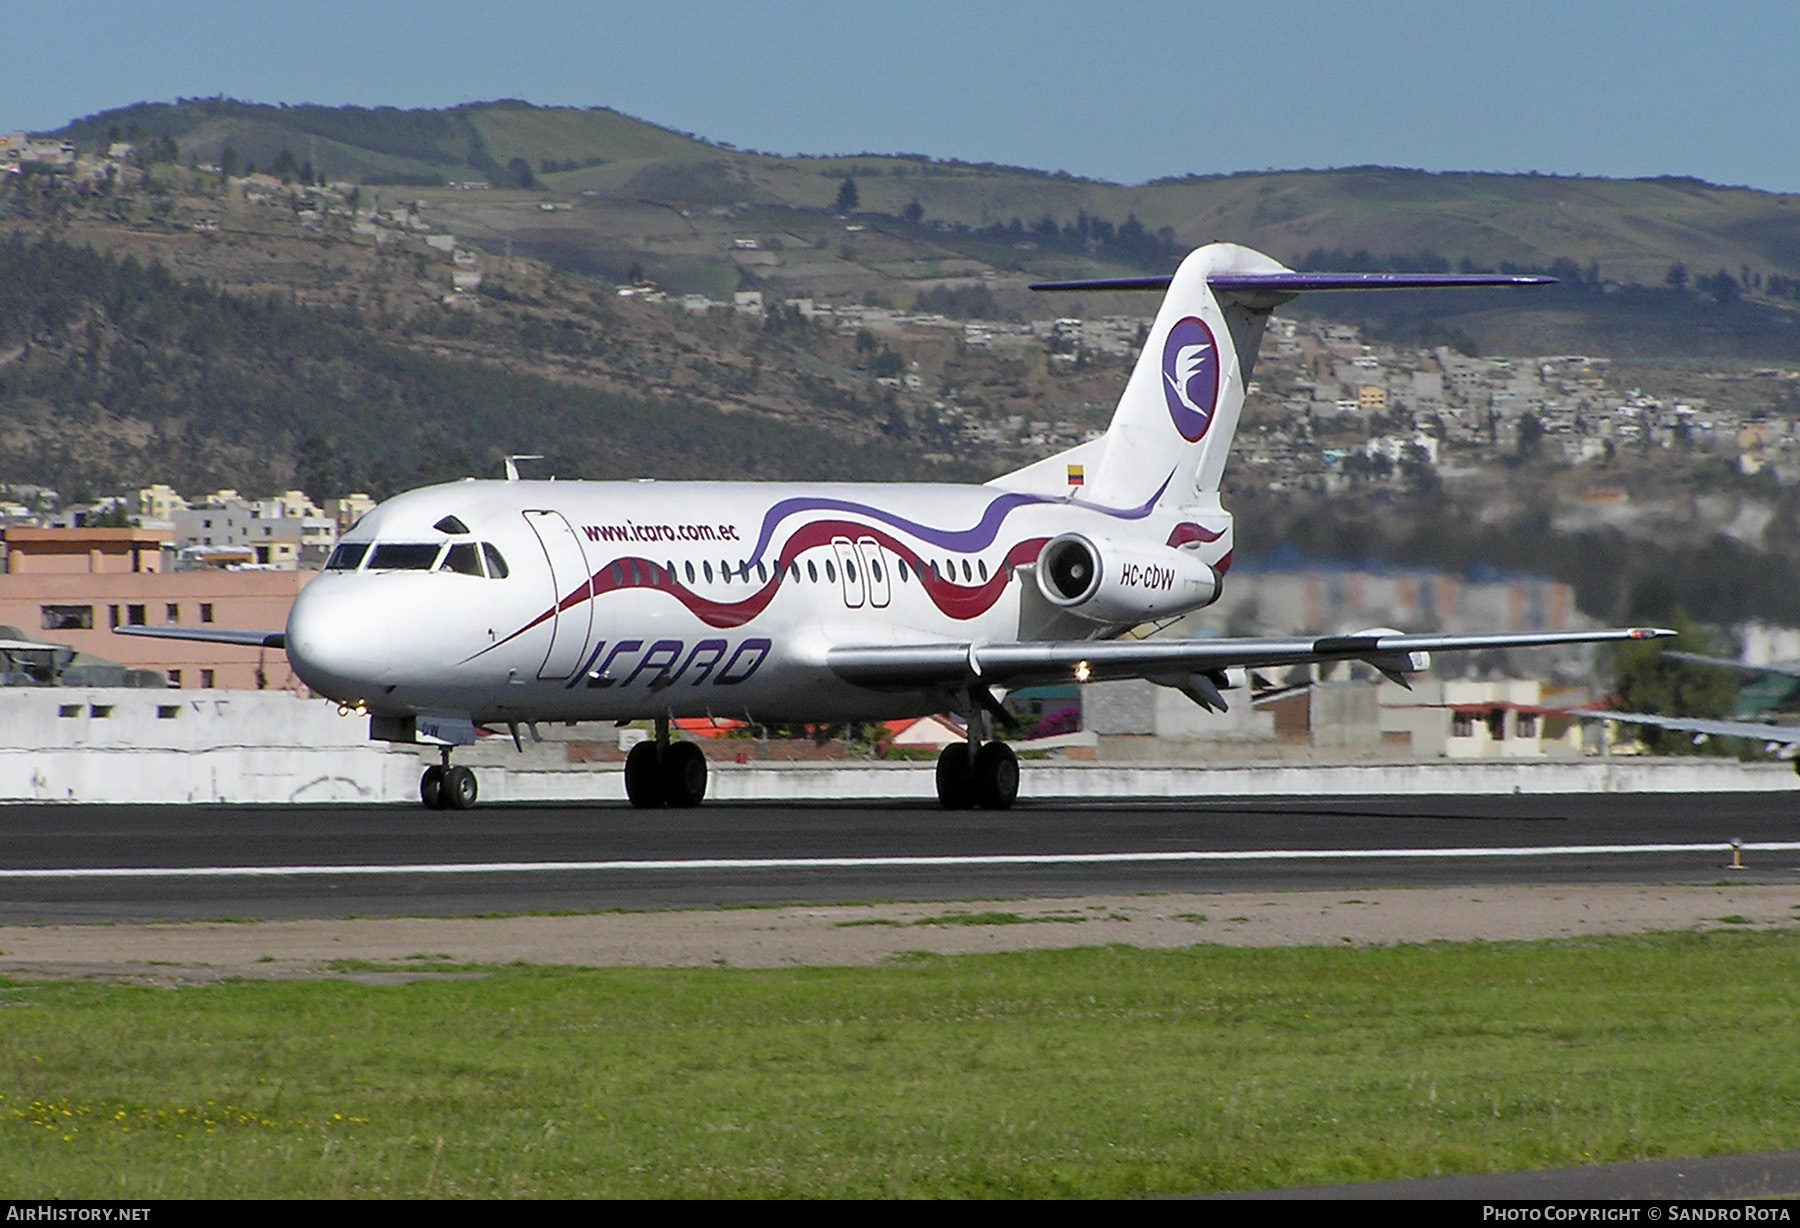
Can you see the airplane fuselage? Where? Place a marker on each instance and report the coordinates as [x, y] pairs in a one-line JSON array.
[[626, 600]]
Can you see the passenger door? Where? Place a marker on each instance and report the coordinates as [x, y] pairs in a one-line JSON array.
[[875, 567], [850, 571], [570, 582]]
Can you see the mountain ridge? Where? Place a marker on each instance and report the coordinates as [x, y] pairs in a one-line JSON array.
[[1634, 229]]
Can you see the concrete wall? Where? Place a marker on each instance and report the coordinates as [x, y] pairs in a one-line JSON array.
[[73, 745], [90, 745]]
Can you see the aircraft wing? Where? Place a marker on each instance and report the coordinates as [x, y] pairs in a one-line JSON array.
[[1786, 670], [922, 666], [1787, 735], [210, 635]]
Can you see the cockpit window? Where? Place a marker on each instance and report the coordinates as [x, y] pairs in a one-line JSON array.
[[496, 565], [463, 558], [452, 525], [404, 556], [347, 557]]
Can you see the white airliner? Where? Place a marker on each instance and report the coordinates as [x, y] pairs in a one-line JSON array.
[[500, 603]]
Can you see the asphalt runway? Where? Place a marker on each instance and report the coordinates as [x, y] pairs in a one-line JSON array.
[[61, 863]]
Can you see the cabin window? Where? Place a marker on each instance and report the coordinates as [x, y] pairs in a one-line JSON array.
[[404, 556], [347, 557], [669, 571], [850, 571], [451, 525], [830, 571], [618, 574], [725, 569], [67, 617], [981, 564], [812, 572], [690, 571], [706, 567], [464, 559], [636, 577], [762, 577], [875, 570], [902, 566], [968, 576], [497, 569]]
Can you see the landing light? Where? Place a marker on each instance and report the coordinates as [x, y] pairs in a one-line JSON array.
[[1082, 671], [359, 708]]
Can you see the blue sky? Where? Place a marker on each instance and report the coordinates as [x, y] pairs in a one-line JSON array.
[[1118, 91]]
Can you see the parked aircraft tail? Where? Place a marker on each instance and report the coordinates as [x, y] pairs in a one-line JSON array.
[[1174, 424]]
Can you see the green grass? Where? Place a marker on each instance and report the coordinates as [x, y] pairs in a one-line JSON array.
[[1103, 1071]]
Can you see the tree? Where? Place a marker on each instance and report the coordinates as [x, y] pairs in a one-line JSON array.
[[846, 197], [914, 213], [1676, 277], [1645, 680], [1531, 435]]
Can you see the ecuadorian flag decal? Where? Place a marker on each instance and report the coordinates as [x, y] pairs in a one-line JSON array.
[[1076, 476]]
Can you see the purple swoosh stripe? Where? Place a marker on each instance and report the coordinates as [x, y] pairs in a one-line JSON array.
[[964, 541]]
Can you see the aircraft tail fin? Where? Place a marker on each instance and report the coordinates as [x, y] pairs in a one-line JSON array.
[[1174, 424]]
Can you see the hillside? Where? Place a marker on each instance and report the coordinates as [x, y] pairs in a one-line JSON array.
[[114, 373], [1633, 230]]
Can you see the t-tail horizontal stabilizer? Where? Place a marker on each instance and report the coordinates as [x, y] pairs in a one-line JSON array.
[[1297, 283], [1173, 428]]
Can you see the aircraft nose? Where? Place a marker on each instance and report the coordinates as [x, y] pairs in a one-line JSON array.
[[337, 641]]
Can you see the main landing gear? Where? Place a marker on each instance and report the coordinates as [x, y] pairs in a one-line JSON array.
[[664, 773], [443, 787], [971, 774]]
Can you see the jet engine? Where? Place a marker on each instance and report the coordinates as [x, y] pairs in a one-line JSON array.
[[1111, 582]]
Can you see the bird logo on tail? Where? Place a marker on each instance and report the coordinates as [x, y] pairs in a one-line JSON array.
[[1190, 369]]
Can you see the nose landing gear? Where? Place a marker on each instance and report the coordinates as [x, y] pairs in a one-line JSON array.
[[664, 773], [442, 787]]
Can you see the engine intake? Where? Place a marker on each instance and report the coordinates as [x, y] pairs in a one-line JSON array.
[[1111, 582]]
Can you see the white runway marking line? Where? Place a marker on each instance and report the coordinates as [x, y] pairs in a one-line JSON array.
[[885, 863]]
